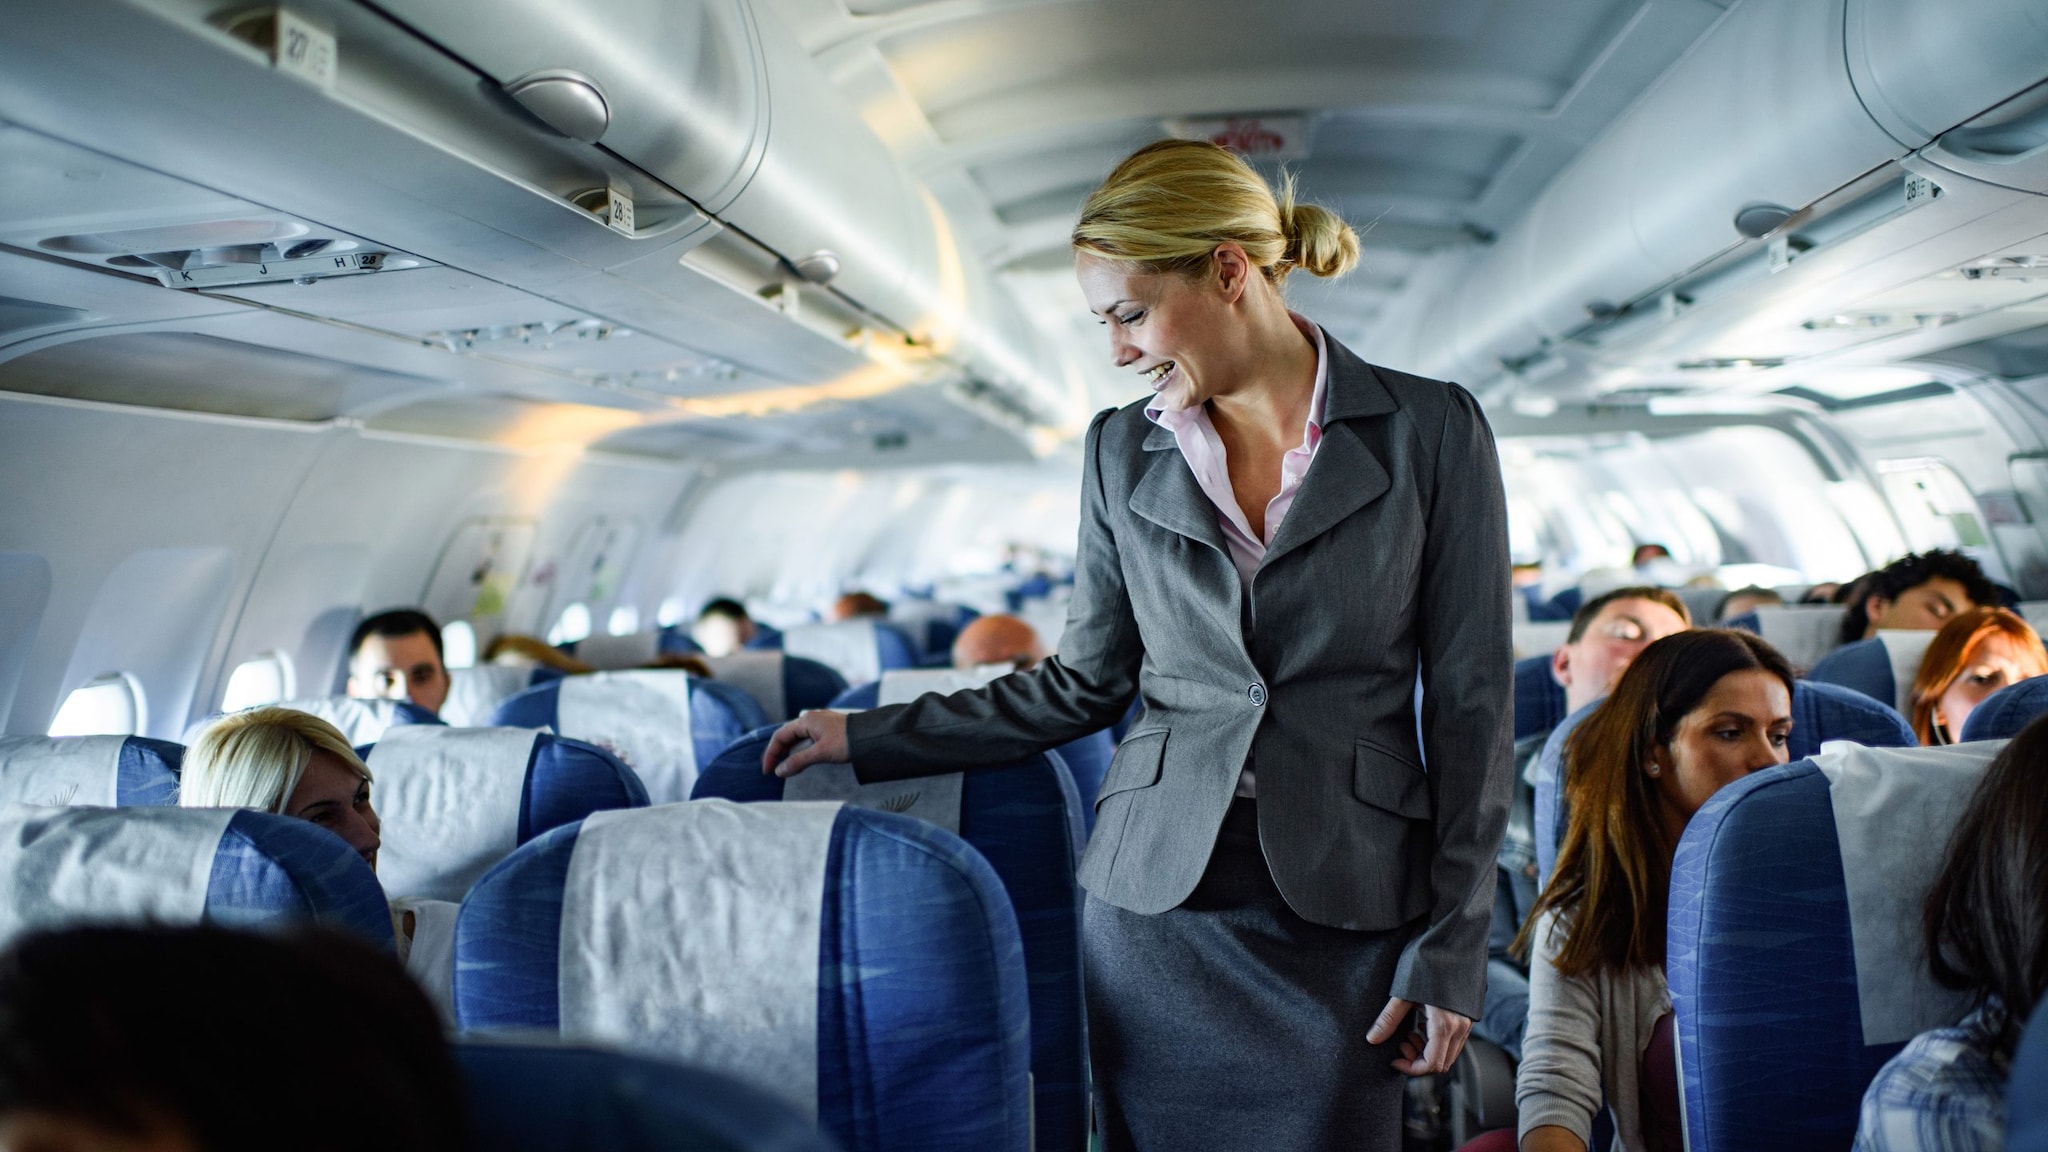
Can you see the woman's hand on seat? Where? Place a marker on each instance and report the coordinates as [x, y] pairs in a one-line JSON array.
[[815, 737]]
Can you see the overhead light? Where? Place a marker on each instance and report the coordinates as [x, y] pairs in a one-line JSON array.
[[1732, 363], [1758, 220]]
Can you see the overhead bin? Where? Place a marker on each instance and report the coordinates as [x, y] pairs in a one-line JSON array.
[[1763, 116]]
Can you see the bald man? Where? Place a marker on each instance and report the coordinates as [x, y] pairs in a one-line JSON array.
[[997, 639]]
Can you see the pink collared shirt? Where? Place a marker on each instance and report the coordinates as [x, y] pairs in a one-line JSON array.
[[1203, 450]]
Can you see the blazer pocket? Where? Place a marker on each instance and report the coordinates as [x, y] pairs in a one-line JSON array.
[[1135, 765], [1387, 781]]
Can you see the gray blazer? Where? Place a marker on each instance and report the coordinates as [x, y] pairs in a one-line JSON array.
[[1392, 562]]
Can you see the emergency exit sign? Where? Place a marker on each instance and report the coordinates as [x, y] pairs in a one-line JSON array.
[[1252, 137]]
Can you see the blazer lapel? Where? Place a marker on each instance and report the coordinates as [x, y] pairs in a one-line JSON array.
[[1345, 476], [1169, 496]]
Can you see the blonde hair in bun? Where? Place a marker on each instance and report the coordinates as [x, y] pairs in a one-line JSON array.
[[1169, 204]]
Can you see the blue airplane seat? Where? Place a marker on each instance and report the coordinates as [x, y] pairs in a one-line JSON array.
[[2006, 711], [2026, 1090], [894, 648], [674, 639], [1539, 698], [1025, 819], [765, 638], [718, 714], [1087, 759], [1778, 1035], [106, 771], [1820, 712], [544, 1097], [911, 1031], [1881, 667], [238, 868], [537, 779]]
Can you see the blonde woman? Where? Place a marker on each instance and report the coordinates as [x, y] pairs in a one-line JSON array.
[[1276, 547], [295, 764]]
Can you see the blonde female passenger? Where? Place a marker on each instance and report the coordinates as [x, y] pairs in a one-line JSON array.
[[1290, 879], [295, 764]]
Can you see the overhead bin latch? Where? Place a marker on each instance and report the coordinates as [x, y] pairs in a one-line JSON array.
[[567, 101], [296, 45]]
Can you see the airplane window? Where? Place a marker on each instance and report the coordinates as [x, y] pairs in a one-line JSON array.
[[458, 644], [265, 679], [624, 621], [571, 626], [110, 704], [671, 613]]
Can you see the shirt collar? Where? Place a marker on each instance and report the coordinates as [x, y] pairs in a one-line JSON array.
[[1318, 402]]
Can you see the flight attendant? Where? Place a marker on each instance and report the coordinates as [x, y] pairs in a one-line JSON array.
[[1290, 877]]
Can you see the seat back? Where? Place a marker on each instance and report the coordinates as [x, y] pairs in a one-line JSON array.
[[2006, 711], [859, 650], [761, 675], [1539, 698], [1025, 820], [1794, 951], [608, 653], [1087, 759], [105, 771], [475, 693], [543, 1097], [1804, 633], [2026, 1090], [932, 625], [662, 722], [1540, 638], [239, 868], [455, 801], [1820, 713], [360, 721], [1881, 667], [863, 966]]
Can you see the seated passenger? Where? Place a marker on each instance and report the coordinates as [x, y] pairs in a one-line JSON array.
[[288, 762], [1743, 601], [396, 655], [859, 606], [1607, 632], [521, 651], [997, 639], [723, 627], [1693, 712], [1987, 932], [205, 1040], [1975, 654], [1645, 553], [1918, 591], [1825, 592]]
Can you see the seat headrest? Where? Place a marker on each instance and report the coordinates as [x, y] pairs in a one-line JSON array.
[[1540, 638], [1539, 698], [618, 653], [902, 685], [363, 721], [2006, 711], [1822, 713], [1803, 633], [1905, 650], [642, 717], [475, 693], [758, 674], [849, 648], [541, 1097], [106, 771], [64, 866], [450, 800]]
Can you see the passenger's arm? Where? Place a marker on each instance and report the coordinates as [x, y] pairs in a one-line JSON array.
[[1551, 1138], [1083, 689], [1465, 647], [1558, 1085]]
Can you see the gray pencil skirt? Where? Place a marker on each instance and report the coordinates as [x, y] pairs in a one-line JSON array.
[[1232, 1023]]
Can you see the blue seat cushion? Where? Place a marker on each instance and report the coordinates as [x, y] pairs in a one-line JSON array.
[[2006, 711], [147, 775], [1539, 698], [893, 649], [276, 872], [912, 1026], [809, 683], [1762, 971], [2026, 1093], [539, 1098], [1864, 665], [1025, 821]]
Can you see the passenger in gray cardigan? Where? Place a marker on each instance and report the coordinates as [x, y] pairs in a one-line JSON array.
[[1694, 712]]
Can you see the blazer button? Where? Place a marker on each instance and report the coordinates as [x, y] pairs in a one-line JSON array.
[[1257, 695]]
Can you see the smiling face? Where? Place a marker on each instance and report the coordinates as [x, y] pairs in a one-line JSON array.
[[337, 798], [1738, 727], [1992, 663], [1178, 332]]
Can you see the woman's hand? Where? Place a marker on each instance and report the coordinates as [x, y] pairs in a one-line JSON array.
[[1443, 1030], [815, 737]]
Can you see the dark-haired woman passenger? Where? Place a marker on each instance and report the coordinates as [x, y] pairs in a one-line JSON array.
[[1987, 933], [1694, 712]]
